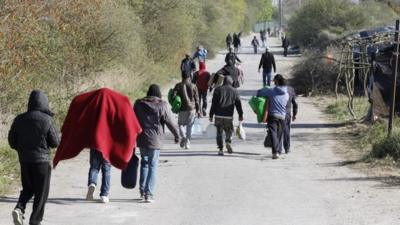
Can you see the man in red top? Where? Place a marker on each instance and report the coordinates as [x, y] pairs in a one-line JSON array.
[[201, 78]]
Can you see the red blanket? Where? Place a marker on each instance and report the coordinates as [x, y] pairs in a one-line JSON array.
[[104, 120]]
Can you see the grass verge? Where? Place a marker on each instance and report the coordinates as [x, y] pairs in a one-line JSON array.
[[364, 146], [9, 168]]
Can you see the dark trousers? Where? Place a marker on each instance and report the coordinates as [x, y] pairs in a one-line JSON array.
[[286, 133], [275, 127], [203, 100], [35, 178], [285, 51], [224, 124]]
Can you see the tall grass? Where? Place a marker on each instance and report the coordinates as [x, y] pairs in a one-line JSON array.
[[9, 168]]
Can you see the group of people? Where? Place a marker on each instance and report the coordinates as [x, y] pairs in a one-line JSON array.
[[233, 40], [33, 133]]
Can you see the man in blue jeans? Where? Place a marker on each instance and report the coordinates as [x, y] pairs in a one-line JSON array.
[[153, 114], [267, 62], [97, 162]]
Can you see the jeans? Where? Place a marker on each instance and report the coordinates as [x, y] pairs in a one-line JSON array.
[[224, 124], [203, 99], [148, 170], [267, 77], [275, 127], [185, 122], [255, 49], [286, 133], [35, 179], [96, 163]]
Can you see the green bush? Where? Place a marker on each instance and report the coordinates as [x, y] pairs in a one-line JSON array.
[[318, 22], [389, 146]]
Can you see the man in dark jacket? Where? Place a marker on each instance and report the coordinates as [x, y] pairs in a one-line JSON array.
[[228, 41], [229, 70], [267, 62], [32, 134], [255, 44], [153, 114], [285, 45], [289, 118], [225, 99], [190, 108], [188, 65], [231, 56], [236, 42]]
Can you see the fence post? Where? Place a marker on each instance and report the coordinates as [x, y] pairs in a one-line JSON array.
[[395, 65]]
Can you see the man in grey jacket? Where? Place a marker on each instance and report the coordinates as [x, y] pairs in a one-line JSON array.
[[153, 114], [32, 134], [190, 108], [278, 99]]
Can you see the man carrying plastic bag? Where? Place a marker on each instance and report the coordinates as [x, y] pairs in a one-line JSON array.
[[224, 100]]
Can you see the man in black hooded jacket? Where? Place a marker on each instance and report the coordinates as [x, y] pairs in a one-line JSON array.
[[32, 134], [224, 101]]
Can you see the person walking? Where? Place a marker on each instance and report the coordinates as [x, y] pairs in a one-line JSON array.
[[32, 134], [277, 100], [229, 41], [289, 117], [232, 56], [255, 44], [236, 43], [152, 113], [201, 78], [267, 62], [285, 45], [225, 99], [189, 110], [200, 54], [188, 66], [97, 164], [229, 70]]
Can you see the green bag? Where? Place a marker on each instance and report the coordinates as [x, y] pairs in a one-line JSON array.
[[176, 103], [258, 104]]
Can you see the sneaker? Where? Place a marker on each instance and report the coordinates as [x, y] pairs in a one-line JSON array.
[[187, 144], [18, 216], [104, 199], [204, 113], [182, 143], [149, 198], [141, 195], [229, 148], [220, 152], [275, 156], [89, 195]]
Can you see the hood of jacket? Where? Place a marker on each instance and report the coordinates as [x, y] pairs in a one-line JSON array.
[[38, 101], [280, 90]]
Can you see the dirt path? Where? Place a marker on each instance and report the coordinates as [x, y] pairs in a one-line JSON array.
[[196, 187]]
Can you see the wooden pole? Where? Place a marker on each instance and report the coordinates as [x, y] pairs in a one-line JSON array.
[[394, 77]]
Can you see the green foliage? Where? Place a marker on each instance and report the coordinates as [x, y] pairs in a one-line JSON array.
[[309, 25], [389, 146], [9, 168]]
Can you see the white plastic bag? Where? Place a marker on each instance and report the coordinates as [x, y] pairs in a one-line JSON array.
[[240, 132], [211, 131], [197, 129]]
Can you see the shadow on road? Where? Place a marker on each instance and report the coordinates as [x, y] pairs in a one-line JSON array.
[[385, 181], [67, 201], [299, 125]]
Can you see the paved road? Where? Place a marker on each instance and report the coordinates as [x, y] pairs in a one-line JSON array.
[[197, 187]]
